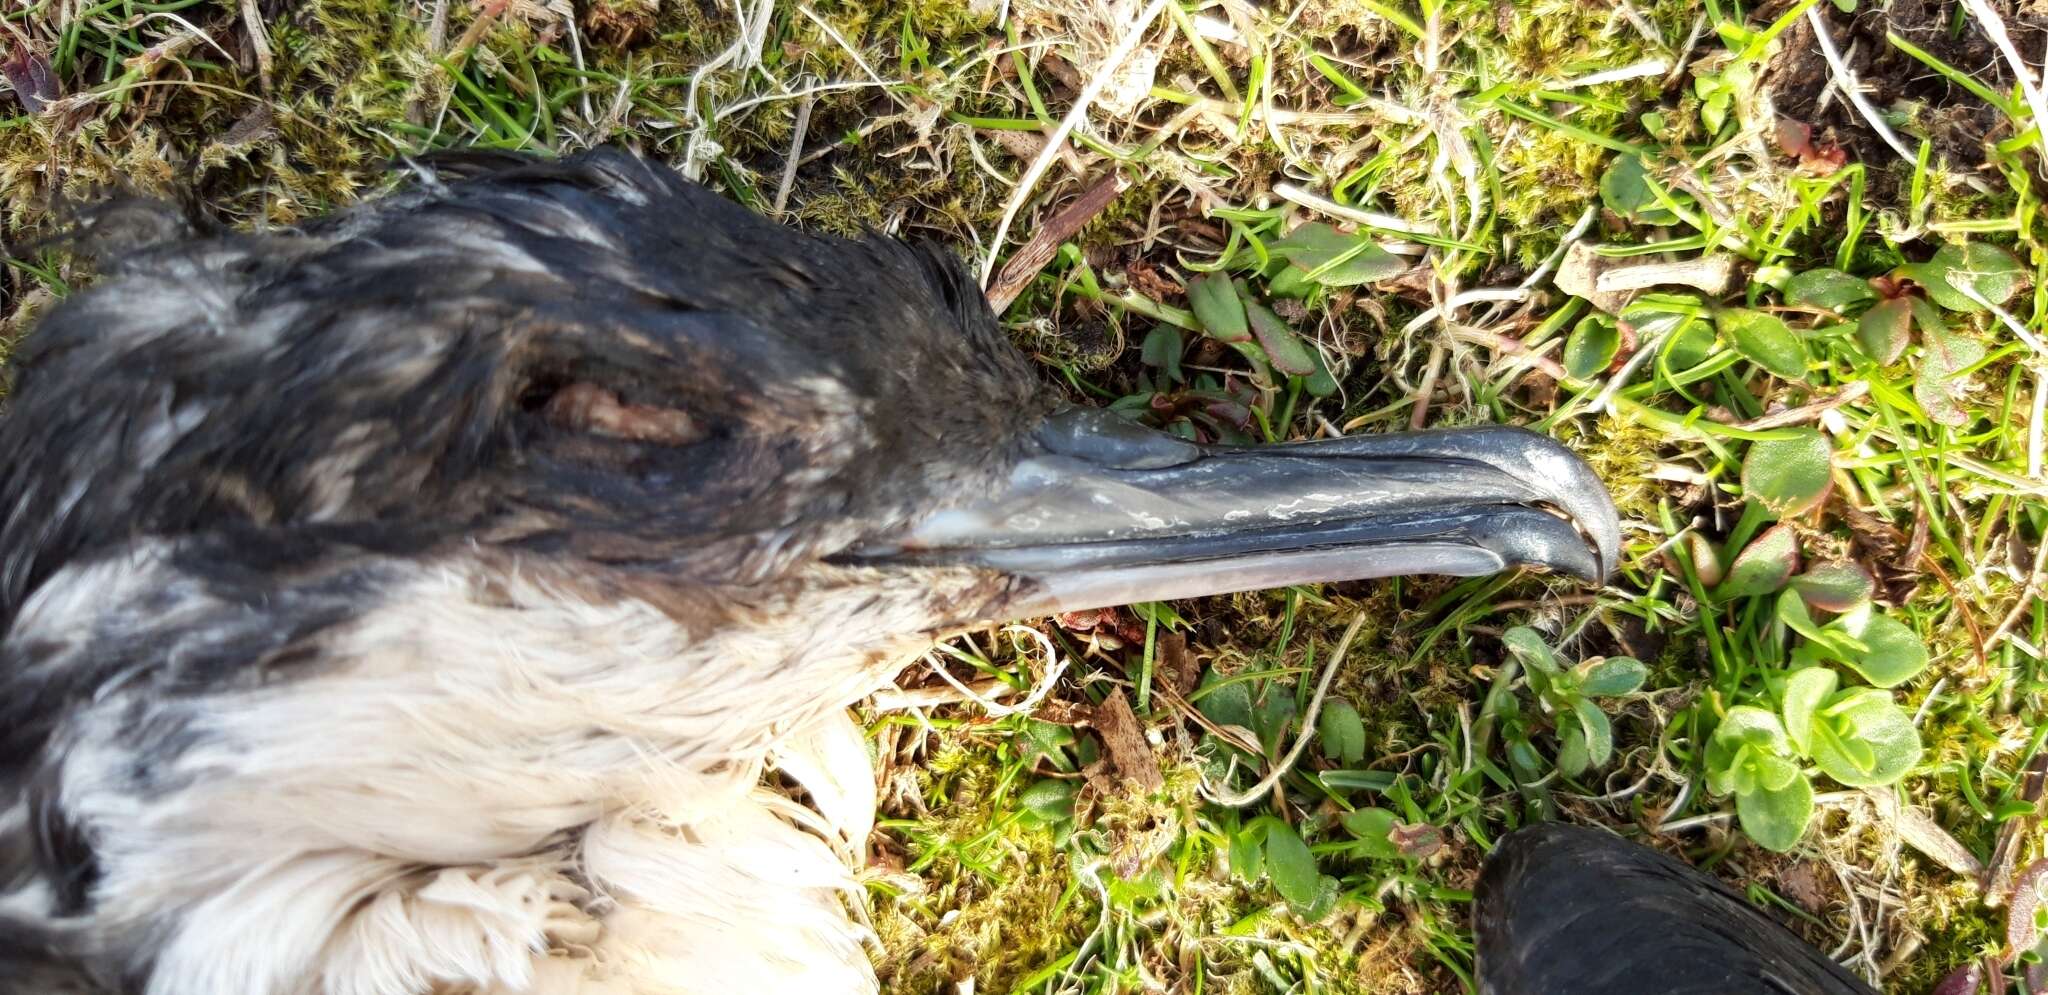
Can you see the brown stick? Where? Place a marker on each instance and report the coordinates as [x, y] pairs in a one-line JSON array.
[[1024, 266]]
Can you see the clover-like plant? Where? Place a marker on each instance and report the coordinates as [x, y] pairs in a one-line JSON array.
[[1858, 736], [1563, 699]]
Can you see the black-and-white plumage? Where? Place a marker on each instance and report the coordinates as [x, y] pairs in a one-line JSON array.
[[410, 602]]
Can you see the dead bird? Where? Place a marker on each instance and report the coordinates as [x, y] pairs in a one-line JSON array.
[[412, 600]]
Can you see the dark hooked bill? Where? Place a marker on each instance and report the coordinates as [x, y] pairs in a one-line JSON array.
[[1108, 512]]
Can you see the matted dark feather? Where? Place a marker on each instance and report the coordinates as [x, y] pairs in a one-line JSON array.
[[1565, 908]]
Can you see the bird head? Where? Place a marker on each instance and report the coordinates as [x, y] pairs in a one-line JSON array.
[[592, 361]]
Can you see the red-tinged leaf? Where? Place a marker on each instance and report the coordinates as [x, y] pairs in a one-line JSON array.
[[1763, 566], [1886, 330], [28, 75], [1834, 586], [2020, 931], [1965, 980], [1417, 841], [1284, 349], [1939, 384], [1789, 475]]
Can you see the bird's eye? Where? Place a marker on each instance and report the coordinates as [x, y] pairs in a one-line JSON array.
[[589, 408]]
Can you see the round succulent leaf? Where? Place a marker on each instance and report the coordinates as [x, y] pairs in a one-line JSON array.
[[1884, 331], [1599, 732], [1827, 289], [1284, 349], [1792, 614], [1790, 474], [1625, 189], [1706, 559], [1689, 346], [1608, 676], [1341, 732], [1773, 773], [1592, 346], [1986, 271], [1865, 740], [1745, 727], [1939, 384], [1835, 586], [1374, 828], [1765, 340], [1776, 819], [1763, 566], [1573, 754], [1528, 646], [1893, 654], [1805, 692], [1290, 864], [1218, 307]]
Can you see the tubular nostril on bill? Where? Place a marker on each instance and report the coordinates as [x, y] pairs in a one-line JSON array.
[[1112, 441]]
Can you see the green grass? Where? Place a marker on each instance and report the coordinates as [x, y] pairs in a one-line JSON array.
[[1006, 853]]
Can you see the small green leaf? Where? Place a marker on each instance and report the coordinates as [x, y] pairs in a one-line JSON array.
[[1529, 647], [1599, 733], [1341, 732], [1289, 863], [1315, 909], [1573, 755], [1763, 566], [1223, 701], [1987, 271], [1689, 346], [1939, 385], [1894, 654], [1773, 773], [1218, 307], [1884, 331], [1764, 340], [1743, 733], [1051, 799], [1788, 475], [1283, 348], [1592, 347], [1273, 716], [1162, 349], [1828, 289], [1334, 259], [1834, 586], [1291, 282], [1805, 690], [1865, 740], [1792, 614], [1373, 827], [1321, 383], [1611, 676], [1248, 853], [1625, 190], [1776, 819]]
